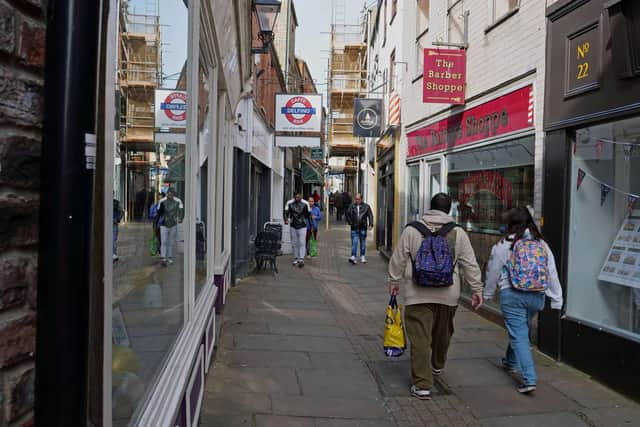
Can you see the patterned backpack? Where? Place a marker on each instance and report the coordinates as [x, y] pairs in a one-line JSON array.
[[527, 267], [434, 263]]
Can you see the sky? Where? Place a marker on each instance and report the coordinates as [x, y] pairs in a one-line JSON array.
[[314, 18]]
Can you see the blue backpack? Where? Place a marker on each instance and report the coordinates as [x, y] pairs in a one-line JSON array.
[[435, 260]]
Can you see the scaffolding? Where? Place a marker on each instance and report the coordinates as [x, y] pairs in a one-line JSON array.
[[347, 81]]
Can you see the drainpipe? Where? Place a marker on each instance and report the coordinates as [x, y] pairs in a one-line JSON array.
[[65, 212]]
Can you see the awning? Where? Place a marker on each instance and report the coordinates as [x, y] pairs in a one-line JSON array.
[[310, 175]]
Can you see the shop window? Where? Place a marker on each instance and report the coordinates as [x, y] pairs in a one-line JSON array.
[[414, 192], [624, 20], [422, 28], [603, 277], [485, 182], [502, 9], [149, 241], [202, 177]]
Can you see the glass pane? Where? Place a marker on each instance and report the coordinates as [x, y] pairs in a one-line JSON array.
[[414, 192], [502, 7], [202, 176], [485, 182], [149, 199], [604, 244], [434, 180], [456, 23]]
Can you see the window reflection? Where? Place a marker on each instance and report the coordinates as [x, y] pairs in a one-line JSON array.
[[149, 198]]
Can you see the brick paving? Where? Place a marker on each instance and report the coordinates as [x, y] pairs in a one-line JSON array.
[[304, 348]]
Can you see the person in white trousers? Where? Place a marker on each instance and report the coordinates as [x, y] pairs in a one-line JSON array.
[[296, 214], [170, 214]]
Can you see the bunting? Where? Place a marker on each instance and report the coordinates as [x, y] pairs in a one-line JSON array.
[[599, 149], [604, 191], [581, 175], [631, 200]]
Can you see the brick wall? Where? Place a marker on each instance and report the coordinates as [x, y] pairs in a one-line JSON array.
[[22, 44]]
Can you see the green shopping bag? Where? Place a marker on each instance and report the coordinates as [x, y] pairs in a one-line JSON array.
[[313, 247], [153, 245]]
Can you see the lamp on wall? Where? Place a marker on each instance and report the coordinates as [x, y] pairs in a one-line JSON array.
[[267, 12]]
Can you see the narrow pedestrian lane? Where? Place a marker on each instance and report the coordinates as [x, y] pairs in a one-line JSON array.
[[303, 348]]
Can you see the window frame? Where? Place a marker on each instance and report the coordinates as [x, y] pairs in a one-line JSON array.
[[495, 21]]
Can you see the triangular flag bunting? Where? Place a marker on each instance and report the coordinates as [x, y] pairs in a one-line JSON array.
[[627, 151], [631, 200], [581, 175], [604, 190], [599, 148]]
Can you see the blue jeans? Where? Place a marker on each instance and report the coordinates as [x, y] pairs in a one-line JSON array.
[[518, 307], [361, 236]]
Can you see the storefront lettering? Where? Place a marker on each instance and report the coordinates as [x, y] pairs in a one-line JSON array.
[[491, 181], [508, 113]]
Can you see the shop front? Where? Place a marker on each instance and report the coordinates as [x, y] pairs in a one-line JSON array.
[[592, 187], [483, 157], [386, 202]]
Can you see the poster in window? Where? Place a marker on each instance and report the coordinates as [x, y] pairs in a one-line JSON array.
[[622, 265]]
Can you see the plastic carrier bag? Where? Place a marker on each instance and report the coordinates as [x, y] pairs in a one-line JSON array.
[[313, 247], [153, 245], [394, 341]]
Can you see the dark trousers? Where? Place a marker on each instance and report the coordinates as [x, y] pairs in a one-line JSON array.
[[339, 213], [309, 233], [429, 329]]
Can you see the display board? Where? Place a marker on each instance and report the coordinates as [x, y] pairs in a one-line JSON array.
[[298, 112], [622, 265]]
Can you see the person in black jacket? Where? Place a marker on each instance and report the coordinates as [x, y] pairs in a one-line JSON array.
[[296, 214], [360, 218]]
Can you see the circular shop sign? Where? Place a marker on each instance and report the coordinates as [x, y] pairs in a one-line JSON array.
[[367, 118], [175, 106], [298, 110]]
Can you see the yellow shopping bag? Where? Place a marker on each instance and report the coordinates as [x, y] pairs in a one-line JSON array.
[[394, 342]]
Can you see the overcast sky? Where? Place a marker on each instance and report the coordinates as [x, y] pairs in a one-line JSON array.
[[314, 18]]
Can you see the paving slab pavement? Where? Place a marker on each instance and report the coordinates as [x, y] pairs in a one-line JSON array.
[[304, 348]]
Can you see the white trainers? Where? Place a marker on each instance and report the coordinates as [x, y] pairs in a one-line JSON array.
[[420, 393], [296, 261], [353, 260], [363, 259], [115, 257], [526, 389]]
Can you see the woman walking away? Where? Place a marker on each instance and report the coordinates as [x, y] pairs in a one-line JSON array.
[[523, 268]]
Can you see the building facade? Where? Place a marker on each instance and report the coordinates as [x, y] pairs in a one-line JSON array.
[[487, 151], [592, 185], [138, 327]]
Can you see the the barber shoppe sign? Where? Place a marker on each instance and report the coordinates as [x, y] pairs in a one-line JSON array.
[[503, 115]]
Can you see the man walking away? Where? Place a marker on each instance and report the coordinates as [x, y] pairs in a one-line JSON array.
[[296, 214], [338, 199], [118, 214], [360, 218], [431, 301], [171, 211], [312, 224]]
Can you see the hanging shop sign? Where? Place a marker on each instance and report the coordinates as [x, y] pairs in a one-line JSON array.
[[444, 76], [317, 153], [170, 109], [298, 113], [367, 117], [508, 113]]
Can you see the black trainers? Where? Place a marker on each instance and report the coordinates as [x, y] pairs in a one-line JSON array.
[[436, 372], [526, 389]]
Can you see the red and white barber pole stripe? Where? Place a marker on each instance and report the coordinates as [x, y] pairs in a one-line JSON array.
[[394, 109], [530, 111]]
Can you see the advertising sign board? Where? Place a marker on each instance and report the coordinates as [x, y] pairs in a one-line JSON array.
[[444, 76], [298, 112], [170, 109], [367, 117], [505, 114]]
